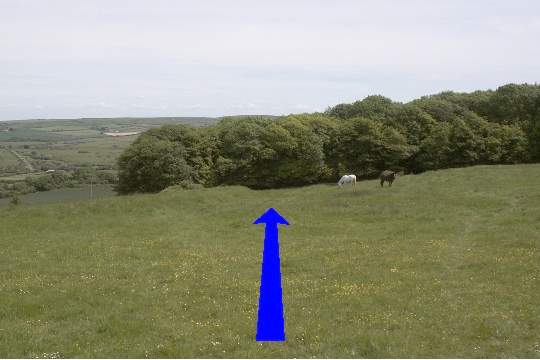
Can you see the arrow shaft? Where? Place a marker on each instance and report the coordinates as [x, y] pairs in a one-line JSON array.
[[271, 247], [270, 323]]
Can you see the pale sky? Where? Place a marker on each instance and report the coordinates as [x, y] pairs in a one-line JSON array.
[[109, 58]]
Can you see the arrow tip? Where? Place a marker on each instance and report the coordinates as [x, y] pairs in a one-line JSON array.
[[271, 216]]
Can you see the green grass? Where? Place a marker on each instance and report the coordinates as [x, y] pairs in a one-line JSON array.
[[29, 134], [9, 163], [443, 264], [19, 177], [63, 195], [7, 158]]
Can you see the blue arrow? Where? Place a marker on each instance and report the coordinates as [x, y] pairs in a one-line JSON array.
[[270, 322]]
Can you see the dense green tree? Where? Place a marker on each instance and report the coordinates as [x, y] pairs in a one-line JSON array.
[[506, 144], [440, 109], [341, 111], [518, 105], [199, 144], [413, 122], [434, 151], [375, 107], [265, 154], [239, 146], [477, 101], [22, 187], [366, 147], [466, 144], [46, 182], [327, 131], [151, 165]]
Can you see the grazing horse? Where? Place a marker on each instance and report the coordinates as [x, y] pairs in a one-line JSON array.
[[348, 179], [388, 176]]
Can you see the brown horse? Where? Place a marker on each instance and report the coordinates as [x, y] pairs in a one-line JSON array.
[[388, 176]]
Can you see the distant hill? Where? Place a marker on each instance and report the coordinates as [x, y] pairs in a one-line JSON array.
[[249, 116], [120, 120], [194, 120]]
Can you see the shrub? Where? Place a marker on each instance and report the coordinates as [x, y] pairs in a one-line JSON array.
[[151, 165]]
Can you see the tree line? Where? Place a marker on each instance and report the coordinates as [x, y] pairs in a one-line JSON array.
[[433, 132]]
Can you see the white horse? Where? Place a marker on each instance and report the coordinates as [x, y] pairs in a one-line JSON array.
[[345, 179]]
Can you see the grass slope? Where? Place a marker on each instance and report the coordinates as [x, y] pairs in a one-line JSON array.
[[443, 264], [63, 195]]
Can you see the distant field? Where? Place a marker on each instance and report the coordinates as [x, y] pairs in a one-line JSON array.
[[19, 177], [95, 151], [60, 144], [31, 135], [9, 162], [443, 264]]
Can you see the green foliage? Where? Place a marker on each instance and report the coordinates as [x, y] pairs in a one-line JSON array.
[[434, 151], [375, 107], [151, 165], [516, 105], [434, 132], [506, 145], [22, 187], [465, 142], [55, 180], [413, 122], [327, 130], [265, 154], [105, 177], [440, 109], [519, 105], [240, 147], [199, 146], [366, 147]]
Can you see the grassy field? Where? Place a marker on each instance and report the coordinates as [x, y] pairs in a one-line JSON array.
[[9, 162], [93, 152], [443, 264], [63, 195]]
